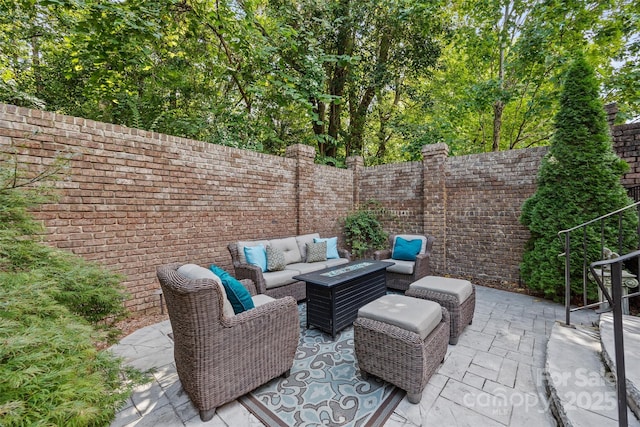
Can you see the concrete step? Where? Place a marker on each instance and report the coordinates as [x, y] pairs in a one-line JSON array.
[[631, 338], [581, 388]]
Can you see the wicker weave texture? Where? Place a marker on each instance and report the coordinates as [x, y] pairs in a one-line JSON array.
[[421, 268], [399, 356], [298, 289], [219, 359], [461, 314]]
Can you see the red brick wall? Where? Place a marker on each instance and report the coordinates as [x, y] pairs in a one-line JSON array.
[[626, 142], [470, 204], [484, 195], [398, 187], [136, 199]]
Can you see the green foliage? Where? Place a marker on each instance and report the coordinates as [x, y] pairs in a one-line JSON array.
[[363, 229], [578, 180], [51, 372], [511, 55], [54, 308], [373, 78]]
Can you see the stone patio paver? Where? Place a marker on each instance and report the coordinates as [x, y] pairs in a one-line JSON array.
[[492, 377]]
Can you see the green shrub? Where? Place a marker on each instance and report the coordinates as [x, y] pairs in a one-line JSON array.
[[51, 372], [363, 229], [54, 308], [578, 180]]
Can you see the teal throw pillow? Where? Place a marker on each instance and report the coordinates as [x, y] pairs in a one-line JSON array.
[[256, 255], [406, 250], [238, 295], [332, 246]]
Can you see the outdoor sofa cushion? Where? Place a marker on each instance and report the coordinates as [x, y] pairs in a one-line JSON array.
[[332, 246], [411, 314], [406, 250], [316, 252]]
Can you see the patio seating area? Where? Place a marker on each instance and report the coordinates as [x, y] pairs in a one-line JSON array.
[[492, 377]]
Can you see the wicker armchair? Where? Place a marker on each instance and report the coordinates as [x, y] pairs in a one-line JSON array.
[[220, 358], [401, 275]]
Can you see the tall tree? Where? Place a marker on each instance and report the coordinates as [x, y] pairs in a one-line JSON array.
[[501, 71], [578, 180]]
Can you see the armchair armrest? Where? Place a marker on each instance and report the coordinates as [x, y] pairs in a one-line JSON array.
[[281, 308], [250, 286], [253, 273], [422, 266], [271, 330], [344, 254], [382, 254]]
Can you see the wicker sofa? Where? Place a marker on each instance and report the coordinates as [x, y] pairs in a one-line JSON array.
[[278, 284], [400, 275], [221, 356]]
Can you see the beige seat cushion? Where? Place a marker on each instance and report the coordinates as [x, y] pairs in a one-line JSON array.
[[261, 299], [460, 288], [194, 271], [274, 279], [412, 314], [304, 267], [401, 266]]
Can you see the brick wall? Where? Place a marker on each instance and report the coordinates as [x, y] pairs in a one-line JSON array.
[[484, 195], [398, 187], [136, 199]]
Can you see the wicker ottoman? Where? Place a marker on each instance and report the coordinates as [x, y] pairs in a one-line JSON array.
[[401, 340], [456, 295]]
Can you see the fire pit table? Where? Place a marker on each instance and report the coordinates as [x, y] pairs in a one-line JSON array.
[[335, 294]]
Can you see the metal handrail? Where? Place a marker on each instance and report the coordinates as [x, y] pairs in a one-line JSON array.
[[615, 301], [615, 297], [569, 230], [567, 255]]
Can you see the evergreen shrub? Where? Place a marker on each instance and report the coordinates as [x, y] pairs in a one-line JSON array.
[[54, 308], [578, 181]]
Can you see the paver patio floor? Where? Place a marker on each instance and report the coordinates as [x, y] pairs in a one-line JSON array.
[[492, 377]]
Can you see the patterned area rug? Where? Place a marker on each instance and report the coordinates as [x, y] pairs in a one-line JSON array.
[[324, 387]]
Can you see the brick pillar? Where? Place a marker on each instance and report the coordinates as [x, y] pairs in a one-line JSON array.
[[435, 202], [355, 163], [611, 111], [304, 156]]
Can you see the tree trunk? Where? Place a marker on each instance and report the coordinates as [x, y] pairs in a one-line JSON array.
[[344, 46], [319, 126], [359, 119], [498, 107]]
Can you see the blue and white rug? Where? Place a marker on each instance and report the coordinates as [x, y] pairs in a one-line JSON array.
[[324, 388]]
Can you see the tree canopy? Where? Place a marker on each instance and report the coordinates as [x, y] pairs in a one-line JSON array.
[[374, 78]]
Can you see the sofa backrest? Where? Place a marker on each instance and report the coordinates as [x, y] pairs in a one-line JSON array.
[[294, 248]]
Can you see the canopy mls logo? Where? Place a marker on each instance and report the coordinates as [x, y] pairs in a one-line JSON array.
[[591, 390]]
